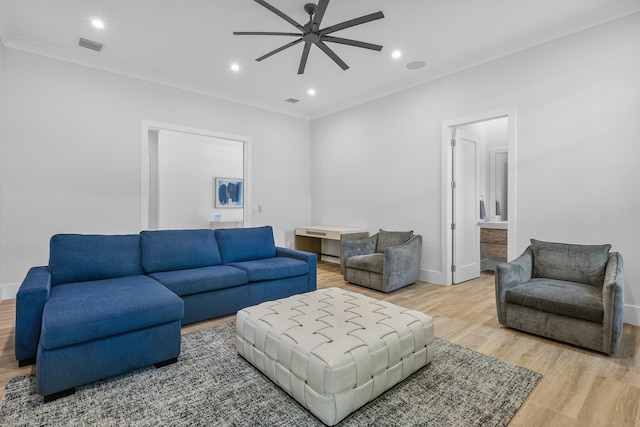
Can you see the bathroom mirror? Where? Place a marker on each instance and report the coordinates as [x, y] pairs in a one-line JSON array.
[[498, 205]]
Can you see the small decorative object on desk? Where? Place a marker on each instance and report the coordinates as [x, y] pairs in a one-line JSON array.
[[217, 218]]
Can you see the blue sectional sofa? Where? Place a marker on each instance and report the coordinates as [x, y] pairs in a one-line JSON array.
[[109, 304]]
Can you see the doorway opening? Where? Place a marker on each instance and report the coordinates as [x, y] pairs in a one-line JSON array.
[[180, 168], [465, 171]]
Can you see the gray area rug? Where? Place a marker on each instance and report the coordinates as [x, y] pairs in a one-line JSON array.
[[212, 386]]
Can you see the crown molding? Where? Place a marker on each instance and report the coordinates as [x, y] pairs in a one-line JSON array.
[[92, 61]]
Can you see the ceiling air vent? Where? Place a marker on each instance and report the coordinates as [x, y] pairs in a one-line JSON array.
[[293, 100], [90, 44]]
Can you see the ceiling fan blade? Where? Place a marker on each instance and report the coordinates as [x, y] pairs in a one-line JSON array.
[[350, 42], [332, 55], [317, 17], [280, 49], [351, 23], [264, 33], [281, 14], [305, 56]]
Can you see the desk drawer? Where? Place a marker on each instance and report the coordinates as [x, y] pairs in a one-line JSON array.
[[320, 234]]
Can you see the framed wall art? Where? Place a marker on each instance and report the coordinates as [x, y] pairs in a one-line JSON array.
[[228, 192]]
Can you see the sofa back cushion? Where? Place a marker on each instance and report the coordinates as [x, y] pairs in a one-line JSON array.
[[387, 239], [171, 250], [83, 257], [574, 263], [245, 244]]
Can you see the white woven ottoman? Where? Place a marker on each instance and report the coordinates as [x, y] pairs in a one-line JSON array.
[[334, 350]]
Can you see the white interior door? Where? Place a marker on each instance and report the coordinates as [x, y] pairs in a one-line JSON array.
[[466, 228]]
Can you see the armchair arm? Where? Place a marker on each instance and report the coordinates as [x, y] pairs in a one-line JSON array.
[[32, 295], [402, 264], [357, 247], [613, 303], [308, 257], [510, 274]]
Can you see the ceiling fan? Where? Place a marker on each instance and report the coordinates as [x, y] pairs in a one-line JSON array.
[[311, 33]]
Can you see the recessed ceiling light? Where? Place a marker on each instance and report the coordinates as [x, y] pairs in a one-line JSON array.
[[235, 67], [396, 54], [311, 92], [97, 23]]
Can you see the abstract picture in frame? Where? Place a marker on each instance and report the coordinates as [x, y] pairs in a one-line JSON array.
[[228, 192]]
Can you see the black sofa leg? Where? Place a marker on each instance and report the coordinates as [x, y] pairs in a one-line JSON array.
[[71, 391], [165, 363], [58, 395], [27, 362]]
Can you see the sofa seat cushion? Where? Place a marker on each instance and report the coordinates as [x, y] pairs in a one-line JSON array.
[[272, 268], [197, 280], [369, 262], [559, 297], [83, 311]]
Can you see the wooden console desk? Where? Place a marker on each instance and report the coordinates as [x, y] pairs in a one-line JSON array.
[[225, 224], [310, 239]]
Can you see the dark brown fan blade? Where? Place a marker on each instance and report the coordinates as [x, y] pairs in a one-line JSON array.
[[280, 49], [332, 55], [305, 56], [264, 33], [352, 23], [281, 15], [350, 42], [317, 17]]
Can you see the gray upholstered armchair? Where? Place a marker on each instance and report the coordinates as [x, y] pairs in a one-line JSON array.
[[385, 261], [570, 293]]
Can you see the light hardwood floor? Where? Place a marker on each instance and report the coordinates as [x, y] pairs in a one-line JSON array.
[[579, 387]]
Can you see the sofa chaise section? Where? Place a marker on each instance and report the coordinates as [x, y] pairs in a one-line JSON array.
[[92, 314]]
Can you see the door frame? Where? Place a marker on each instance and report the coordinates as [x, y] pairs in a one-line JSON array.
[[145, 169], [447, 178]]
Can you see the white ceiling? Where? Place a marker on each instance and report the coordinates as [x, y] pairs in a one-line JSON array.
[[189, 43]]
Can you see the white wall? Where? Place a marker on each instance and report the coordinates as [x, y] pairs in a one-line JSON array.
[[12, 291], [70, 154], [187, 167], [378, 165]]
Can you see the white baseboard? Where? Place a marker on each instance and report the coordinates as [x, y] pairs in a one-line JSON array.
[[632, 314], [431, 276], [9, 290]]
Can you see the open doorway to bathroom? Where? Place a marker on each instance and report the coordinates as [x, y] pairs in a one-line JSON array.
[[475, 196]]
